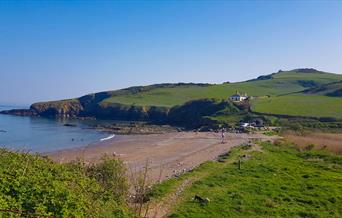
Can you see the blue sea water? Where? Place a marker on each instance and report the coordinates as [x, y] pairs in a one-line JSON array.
[[38, 134]]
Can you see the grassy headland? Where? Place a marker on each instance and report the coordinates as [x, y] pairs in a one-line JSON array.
[[301, 92]]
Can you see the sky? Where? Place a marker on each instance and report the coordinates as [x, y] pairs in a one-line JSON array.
[[52, 50]]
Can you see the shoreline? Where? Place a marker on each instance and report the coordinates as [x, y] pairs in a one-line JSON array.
[[168, 154]]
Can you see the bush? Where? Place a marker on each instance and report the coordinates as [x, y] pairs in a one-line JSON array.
[[34, 186], [111, 174], [309, 147]]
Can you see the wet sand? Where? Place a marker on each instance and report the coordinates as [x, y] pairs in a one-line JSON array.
[[167, 154]]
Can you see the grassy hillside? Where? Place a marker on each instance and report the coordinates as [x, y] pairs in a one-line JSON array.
[[277, 181], [300, 105], [331, 89], [278, 84]]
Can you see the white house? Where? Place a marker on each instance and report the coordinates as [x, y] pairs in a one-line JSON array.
[[238, 97]]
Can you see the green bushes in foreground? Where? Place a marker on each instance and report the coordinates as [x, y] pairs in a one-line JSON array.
[[34, 186]]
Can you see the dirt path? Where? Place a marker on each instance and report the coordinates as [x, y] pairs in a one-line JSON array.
[[162, 207]]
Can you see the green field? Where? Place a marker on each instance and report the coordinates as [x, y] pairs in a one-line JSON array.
[[278, 181], [169, 97], [320, 77], [282, 83], [300, 105]]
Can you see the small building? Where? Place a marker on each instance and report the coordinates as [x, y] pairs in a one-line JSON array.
[[245, 125], [238, 97]]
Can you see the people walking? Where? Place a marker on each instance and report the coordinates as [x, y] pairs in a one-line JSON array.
[[222, 135]]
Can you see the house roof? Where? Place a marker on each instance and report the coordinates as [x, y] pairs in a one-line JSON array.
[[235, 95], [238, 95]]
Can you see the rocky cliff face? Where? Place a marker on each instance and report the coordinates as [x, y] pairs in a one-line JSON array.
[[126, 112], [191, 115], [91, 106], [66, 108]]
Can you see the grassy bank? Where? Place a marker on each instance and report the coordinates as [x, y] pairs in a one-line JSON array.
[[278, 181]]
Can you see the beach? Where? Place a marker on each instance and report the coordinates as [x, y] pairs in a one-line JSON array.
[[167, 155]]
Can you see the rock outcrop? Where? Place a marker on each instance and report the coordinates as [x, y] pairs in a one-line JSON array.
[[20, 112], [65, 108]]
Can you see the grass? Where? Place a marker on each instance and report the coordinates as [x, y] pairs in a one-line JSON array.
[[231, 119], [283, 83], [331, 141], [280, 181], [300, 105], [168, 97], [319, 77]]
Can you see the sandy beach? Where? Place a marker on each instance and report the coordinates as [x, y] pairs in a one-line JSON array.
[[167, 154]]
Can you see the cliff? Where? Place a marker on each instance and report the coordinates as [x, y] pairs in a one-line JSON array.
[[65, 108]]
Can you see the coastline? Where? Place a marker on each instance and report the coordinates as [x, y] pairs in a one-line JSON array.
[[133, 128], [168, 154]]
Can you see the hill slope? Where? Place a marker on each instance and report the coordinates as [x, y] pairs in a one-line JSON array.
[[331, 89], [275, 84], [300, 105], [155, 101]]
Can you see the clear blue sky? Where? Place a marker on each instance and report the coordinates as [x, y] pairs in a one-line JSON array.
[[54, 50]]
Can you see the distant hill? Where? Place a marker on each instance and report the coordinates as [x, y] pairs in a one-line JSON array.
[[154, 102], [316, 100]]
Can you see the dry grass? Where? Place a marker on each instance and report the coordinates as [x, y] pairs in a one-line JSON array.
[[331, 141]]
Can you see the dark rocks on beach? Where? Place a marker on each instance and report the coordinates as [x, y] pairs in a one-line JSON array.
[[134, 128], [70, 125]]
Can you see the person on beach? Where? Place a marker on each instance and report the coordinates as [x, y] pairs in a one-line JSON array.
[[222, 135]]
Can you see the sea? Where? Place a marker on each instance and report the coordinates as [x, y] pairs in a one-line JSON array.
[[40, 135]]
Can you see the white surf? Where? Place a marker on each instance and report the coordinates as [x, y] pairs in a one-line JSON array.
[[107, 138]]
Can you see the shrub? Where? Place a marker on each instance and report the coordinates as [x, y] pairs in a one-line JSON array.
[[111, 174], [34, 186], [309, 147]]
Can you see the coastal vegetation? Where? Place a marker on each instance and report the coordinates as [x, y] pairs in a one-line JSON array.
[[255, 179], [34, 186], [328, 140], [267, 180]]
